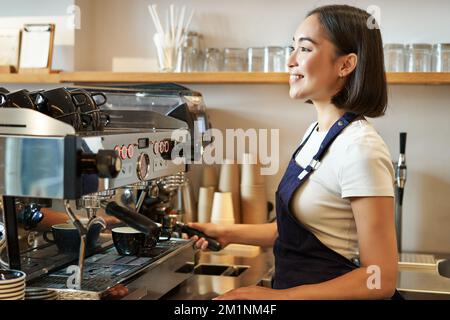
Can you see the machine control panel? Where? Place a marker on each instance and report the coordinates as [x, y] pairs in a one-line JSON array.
[[143, 157]]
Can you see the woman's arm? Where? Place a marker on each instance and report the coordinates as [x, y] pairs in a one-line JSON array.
[[253, 234], [374, 218]]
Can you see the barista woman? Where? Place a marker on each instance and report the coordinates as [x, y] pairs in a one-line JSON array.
[[334, 237]]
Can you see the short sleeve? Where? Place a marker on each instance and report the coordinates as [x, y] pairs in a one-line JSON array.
[[366, 170]]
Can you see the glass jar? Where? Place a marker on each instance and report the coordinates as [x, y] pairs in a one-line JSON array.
[[394, 57], [441, 57], [234, 59], [188, 60], [419, 57], [213, 60], [274, 59], [255, 59], [193, 40], [189, 56]]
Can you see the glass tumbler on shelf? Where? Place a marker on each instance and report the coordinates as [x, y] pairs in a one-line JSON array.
[[213, 60], [189, 56], [419, 57], [234, 59], [274, 59], [255, 59], [441, 57], [394, 57], [187, 60]]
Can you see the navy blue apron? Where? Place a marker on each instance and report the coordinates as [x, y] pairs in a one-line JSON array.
[[301, 258]]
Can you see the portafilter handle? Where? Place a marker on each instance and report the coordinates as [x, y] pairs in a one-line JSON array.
[[132, 218], [213, 244]]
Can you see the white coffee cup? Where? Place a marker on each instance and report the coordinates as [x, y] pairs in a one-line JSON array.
[[222, 209]]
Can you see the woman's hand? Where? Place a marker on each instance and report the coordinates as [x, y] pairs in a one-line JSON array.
[[253, 293], [211, 230]]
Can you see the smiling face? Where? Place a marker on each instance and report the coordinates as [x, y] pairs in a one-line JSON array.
[[313, 65]]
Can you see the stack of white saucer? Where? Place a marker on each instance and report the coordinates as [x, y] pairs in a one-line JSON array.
[[12, 285], [40, 294]]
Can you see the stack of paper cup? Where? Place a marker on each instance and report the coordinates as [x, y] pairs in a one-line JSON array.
[[12, 285], [253, 191], [251, 171], [222, 209], [209, 177], [205, 201], [229, 182]]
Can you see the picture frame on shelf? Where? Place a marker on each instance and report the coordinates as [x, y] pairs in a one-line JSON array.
[[10, 39], [36, 50]]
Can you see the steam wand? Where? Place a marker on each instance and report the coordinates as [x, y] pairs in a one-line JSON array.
[[83, 232], [400, 180]]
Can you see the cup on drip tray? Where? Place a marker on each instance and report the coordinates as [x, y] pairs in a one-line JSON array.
[[131, 242], [67, 238]]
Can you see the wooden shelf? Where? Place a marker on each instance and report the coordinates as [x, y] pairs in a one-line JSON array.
[[428, 78], [30, 78], [193, 77], [88, 77]]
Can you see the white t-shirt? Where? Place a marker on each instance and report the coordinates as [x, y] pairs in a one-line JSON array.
[[357, 164]]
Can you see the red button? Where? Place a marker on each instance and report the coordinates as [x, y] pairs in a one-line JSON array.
[[117, 149], [123, 152], [130, 151]]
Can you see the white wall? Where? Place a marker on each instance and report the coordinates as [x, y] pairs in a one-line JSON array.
[[113, 29]]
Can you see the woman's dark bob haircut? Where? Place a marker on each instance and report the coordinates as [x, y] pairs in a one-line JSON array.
[[353, 30]]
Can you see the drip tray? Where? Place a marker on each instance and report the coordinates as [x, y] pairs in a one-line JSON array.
[[213, 269]]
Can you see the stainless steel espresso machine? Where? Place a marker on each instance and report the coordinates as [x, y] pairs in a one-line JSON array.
[[92, 149]]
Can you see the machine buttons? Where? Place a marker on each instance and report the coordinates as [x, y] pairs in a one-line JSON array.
[[130, 151], [123, 152]]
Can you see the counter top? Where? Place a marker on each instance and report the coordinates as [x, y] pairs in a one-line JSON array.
[[424, 281], [413, 282], [258, 262]]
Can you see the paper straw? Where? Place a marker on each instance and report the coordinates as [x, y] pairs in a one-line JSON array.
[[189, 20], [180, 25], [157, 22], [172, 23]]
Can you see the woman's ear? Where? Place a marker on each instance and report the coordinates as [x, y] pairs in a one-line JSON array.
[[348, 64]]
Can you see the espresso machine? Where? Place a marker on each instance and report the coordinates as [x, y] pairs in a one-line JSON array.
[[123, 150]]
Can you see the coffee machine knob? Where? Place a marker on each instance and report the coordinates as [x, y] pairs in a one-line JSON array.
[[109, 164], [166, 149], [106, 163]]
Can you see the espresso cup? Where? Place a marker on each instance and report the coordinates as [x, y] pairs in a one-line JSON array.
[[128, 241], [19, 99], [67, 238], [58, 103], [2, 99], [88, 105], [131, 242]]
